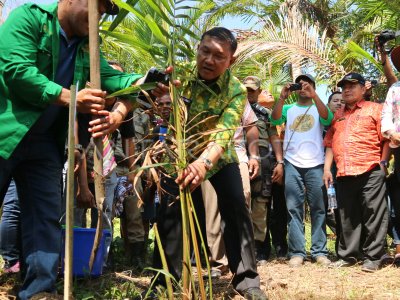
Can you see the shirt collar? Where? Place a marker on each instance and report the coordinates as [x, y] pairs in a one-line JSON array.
[[359, 104]]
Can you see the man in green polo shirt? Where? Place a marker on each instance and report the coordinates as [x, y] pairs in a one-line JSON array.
[[43, 50]]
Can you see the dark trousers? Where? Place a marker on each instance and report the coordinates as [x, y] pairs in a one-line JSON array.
[[36, 167], [276, 220], [363, 215], [235, 225]]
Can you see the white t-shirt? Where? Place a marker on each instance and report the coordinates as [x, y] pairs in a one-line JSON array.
[[249, 117], [303, 143]]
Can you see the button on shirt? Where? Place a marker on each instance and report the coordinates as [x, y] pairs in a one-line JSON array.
[[64, 77], [355, 138]]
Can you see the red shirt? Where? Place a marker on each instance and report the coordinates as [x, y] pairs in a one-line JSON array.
[[355, 138]]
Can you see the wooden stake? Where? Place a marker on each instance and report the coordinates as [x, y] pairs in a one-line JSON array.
[[95, 82], [69, 212]]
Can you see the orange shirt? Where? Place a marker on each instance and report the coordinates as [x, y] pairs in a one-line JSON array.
[[355, 138]]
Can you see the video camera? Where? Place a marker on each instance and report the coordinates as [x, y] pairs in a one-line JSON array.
[[386, 36], [153, 75], [261, 112]]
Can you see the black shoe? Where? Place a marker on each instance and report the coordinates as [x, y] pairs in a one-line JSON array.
[[370, 265], [341, 263], [254, 294]]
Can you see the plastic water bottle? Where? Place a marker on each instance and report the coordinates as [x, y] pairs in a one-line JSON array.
[[332, 203]]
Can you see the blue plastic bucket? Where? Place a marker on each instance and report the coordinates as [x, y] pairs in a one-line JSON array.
[[83, 244]]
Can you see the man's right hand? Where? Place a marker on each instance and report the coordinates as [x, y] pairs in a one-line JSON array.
[[85, 198], [327, 177], [90, 100]]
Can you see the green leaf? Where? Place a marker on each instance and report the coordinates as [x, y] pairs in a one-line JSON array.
[[122, 14], [158, 10], [156, 30], [134, 89]]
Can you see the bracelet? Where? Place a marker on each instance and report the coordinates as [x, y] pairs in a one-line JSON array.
[[384, 163], [120, 113]]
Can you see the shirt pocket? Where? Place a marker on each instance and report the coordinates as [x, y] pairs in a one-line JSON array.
[[44, 54]]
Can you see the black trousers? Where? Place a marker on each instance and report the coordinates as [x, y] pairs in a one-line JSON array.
[[363, 215], [235, 224]]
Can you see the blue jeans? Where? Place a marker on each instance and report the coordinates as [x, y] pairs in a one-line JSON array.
[[301, 184], [36, 166], [10, 227]]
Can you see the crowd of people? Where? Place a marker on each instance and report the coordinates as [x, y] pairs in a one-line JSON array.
[[264, 163]]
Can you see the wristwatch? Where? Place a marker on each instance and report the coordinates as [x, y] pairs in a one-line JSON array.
[[256, 157], [207, 163], [280, 162], [384, 163]]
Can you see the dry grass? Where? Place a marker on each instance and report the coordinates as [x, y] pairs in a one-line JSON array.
[[281, 282]]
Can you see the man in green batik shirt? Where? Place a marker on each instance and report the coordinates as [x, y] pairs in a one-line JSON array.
[[225, 99]]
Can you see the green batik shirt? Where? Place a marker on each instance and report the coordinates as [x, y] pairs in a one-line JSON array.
[[227, 104], [29, 54]]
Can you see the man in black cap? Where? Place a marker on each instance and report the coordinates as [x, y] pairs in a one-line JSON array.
[[355, 142], [304, 159]]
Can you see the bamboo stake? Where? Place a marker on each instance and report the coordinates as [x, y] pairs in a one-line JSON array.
[[69, 212], [98, 153]]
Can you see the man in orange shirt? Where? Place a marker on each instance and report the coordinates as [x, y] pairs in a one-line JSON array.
[[355, 142]]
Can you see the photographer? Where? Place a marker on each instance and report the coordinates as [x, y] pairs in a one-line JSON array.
[[391, 130], [304, 159], [380, 41]]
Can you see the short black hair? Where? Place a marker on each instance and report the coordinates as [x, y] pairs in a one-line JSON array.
[[331, 95], [115, 63], [222, 34]]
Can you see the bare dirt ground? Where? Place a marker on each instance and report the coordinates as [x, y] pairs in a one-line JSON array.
[[278, 280]]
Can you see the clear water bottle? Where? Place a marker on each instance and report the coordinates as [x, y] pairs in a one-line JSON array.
[[332, 203]]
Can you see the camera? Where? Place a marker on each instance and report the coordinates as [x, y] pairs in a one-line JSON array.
[[385, 36], [295, 87], [261, 112], [153, 75]]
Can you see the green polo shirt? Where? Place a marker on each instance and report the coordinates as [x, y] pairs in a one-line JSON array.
[[29, 51]]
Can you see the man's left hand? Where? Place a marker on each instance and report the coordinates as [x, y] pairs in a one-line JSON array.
[[107, 122], [308, 90], [254, 166], [277, 174]]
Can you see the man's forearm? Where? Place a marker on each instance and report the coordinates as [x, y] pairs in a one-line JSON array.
[[122, 107], [277, 147], [213, 152], [64, 98], [277, 112], [328, 159], [321, 107], [252, 139]]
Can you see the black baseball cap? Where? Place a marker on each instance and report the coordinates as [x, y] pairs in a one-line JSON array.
[[305, 77], [111, 8], [352, 77]]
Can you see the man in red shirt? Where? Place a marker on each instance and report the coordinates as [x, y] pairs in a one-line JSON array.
[[355, 142]]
